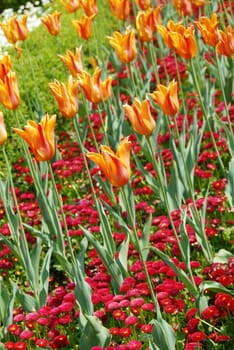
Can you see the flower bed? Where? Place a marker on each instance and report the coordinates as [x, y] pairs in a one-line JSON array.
[[117, 231]]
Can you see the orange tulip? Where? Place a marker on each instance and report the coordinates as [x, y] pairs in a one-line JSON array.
[[124, 45], [225, 44], [40, 137], [73, 62], [71, 5], [119, 8], [183, 7], [209, 29], [94, 89], [167, 98], [3, 132], [177, 37], [9, 92], [143, 4], [84, 26], [115, 166], [15, 30], [140, 117], [52, 22], [5, 66], [89, 6], [66, 96], [146, 23]]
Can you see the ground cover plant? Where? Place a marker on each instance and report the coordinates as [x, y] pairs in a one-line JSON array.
[[117, 179]]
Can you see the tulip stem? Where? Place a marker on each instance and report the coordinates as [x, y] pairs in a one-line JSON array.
[[139, 250], [153, 60], [222, 90], [165, 198], [193, 71]]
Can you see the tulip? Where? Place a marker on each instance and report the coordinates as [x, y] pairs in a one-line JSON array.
[[52, 22], [177, 37], [94, 89], [66, 96], [40, 137], [9, 92], [140, 117], [120, 8], [84, 26], [225, 45], [71, 5], [124, 45], [115, 166], [15, 30], [5, 66], [73, 62], [167, 98], [3, 132], [89, 6], [146, 23], [143, 4], [183, 7], [209, 29]]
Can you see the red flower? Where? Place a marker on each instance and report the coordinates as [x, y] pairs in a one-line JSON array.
[[197, 336], [20, 346], [210, 312], [59, 342], [125, 332], [134, 345]]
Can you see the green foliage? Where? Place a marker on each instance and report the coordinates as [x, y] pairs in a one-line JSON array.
[[15, 4]]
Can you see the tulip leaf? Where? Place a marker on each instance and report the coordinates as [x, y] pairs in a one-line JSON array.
[[163, 335], [214, 287], [94, 334]]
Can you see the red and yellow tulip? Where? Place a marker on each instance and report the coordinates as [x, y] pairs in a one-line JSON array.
[[140, 117], [119, 8], [3, 132], [124, 45], [84, 26], [167, 98], [89, 7], [73, 62], [40, 137], [66, 96], [9, 92], [52, 22], [94, 89], [71, 5], [115, 166], [209, 29]]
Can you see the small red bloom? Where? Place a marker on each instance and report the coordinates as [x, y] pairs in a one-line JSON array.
[[210, 312], [125, 332]]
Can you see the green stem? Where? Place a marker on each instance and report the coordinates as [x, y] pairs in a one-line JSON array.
[[222, 90], [194, 76], [153, 58], [139, 250], [165, 198], [21, 241]]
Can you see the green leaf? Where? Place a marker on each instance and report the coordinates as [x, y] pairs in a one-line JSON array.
[[214, 287], [229, 190], [28, 302], [94, 334], [163, 335], [144, 240], [222, 256], [44, 277]]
